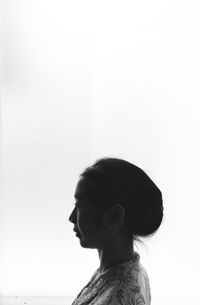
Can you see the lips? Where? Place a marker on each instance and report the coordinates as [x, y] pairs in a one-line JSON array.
[[75, 230]]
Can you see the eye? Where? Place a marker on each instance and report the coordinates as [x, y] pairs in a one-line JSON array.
[[76, 205]]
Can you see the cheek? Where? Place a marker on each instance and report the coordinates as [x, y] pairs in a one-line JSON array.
[[97, 220], [89, 221], [84, 220]]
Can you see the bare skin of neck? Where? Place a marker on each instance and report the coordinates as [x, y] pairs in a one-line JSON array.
[[116, 251]]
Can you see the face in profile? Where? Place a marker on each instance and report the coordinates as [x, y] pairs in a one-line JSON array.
[[85, 216]]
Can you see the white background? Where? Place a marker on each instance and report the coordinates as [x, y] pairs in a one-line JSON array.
[[83, 80]]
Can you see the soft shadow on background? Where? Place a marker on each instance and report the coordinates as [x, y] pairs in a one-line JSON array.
[[87, 79]]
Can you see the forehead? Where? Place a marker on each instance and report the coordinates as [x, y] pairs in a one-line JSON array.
[[90, 195], [85, 189]]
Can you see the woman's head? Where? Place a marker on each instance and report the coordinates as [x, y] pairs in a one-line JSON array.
[[112, 181]]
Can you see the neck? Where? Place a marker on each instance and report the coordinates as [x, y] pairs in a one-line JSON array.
[[115, 253]]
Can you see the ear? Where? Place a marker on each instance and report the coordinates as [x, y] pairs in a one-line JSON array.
[[114, 216]]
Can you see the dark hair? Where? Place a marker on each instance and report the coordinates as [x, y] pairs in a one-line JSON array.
[[119, 181]]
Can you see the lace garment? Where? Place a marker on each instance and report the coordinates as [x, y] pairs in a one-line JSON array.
[[126, 283]]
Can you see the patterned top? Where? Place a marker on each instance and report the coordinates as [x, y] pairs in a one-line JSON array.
[[126, 283]]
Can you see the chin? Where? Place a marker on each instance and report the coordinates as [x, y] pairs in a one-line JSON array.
[[86, 244]]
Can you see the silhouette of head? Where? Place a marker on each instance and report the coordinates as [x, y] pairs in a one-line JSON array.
[[112, 183]]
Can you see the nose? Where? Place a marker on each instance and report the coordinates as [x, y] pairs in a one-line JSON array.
[[72, 217]]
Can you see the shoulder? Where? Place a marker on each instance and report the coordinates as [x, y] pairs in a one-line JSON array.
[[120, 292]]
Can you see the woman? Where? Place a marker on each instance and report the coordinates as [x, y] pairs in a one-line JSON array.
[[116, 202]]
